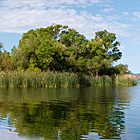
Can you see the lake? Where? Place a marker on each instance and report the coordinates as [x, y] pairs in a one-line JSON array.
[[70, 114]]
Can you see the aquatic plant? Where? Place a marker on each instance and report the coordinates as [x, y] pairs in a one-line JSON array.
[[60, 80]]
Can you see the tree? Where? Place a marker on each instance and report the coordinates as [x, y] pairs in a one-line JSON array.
[[121, 69], [109, 51], [37, 47], [6, 63], [110, 48], [49, 55], [60, 48], [75, 49], [0, 51]]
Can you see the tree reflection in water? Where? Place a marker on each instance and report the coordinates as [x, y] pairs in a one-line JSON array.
[[66, 114]]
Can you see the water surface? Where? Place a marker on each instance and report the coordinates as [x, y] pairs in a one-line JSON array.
[[70, 114]]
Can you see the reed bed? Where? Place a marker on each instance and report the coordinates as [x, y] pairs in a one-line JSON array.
[[127, 80], [60, 80]]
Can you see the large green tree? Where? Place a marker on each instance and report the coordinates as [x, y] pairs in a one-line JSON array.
[[109, 50], [60, 48], [39, 47], [109, 45]]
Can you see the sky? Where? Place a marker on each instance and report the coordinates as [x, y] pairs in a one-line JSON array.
[[121, 17]]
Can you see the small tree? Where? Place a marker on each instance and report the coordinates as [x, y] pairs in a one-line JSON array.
[[0, 51]]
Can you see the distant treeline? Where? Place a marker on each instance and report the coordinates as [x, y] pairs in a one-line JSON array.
[[62, 49]]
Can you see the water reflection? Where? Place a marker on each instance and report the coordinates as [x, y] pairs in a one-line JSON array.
[[65, 114]]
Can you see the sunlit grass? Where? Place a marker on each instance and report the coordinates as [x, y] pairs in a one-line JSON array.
[[60, 80]]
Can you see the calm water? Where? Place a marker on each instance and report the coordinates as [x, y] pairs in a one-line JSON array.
[[70, 114]]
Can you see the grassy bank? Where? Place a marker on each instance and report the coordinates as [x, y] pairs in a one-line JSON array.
[[54, 80]]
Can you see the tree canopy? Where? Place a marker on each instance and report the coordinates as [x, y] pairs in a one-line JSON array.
[[60, 48]]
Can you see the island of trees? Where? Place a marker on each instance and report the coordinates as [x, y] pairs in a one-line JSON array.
[[63, 52]]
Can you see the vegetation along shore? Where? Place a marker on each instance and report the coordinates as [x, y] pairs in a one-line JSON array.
[[58, 80], [58, 56]]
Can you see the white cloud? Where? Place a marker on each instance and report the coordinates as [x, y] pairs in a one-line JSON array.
[[136, 40], [112, 17], [136, 14], [126, 13], [106, 10], [42, 4], [22, 15]]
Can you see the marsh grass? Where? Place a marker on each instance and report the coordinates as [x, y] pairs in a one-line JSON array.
[[60, 80], [127, 80]]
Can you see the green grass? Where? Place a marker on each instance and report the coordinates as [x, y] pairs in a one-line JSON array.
[[60, 80]]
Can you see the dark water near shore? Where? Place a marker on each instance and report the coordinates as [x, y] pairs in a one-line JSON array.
[[70, 114]]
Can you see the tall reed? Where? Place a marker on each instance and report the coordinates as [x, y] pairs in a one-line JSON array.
[[58, 80], [127, 80]]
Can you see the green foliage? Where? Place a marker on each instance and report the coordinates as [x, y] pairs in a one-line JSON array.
[[60, 48], [1, 45], [117, 70], [40, 47], [121, 69], [6, 63], [109, 45]]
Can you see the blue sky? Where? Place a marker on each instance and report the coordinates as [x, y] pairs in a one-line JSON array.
[[86, 16]]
